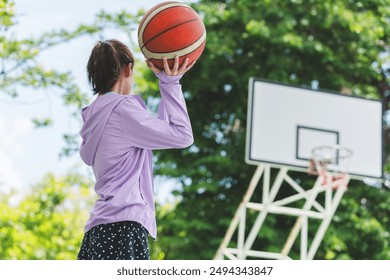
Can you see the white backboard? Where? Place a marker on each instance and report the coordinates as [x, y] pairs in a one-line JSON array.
[[285, 123]]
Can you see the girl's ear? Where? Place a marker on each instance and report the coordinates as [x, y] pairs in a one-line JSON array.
[[127, 70]]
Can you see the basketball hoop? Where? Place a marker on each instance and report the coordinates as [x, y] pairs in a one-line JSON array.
[[330, 163]]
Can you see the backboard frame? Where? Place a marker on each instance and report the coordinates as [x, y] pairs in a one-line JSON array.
[[333, 134]]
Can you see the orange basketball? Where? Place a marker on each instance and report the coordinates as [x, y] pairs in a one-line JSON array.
[[171, 29]]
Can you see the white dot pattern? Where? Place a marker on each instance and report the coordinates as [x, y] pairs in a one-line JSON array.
[[125, 240]]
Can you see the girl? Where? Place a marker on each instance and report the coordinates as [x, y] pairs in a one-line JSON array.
[[118, 135]]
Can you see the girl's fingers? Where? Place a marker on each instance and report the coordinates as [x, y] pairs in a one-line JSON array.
[[189, 66], [175, 66], [183, 67], [166, 66], [152, 67]]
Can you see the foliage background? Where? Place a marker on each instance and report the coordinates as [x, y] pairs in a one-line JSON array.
[[339, 45]]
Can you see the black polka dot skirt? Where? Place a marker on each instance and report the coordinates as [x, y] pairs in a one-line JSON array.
[[125, 240]]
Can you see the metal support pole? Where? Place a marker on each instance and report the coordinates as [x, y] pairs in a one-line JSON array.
[[262, 215], [233, 225], [297, 226], [325, 223], [311, 209]]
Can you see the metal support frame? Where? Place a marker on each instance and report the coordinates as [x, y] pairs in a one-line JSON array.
[[311, 209]]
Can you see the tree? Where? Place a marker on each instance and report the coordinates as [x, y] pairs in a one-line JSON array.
[[21, 69], [47, 221], [340, 44]]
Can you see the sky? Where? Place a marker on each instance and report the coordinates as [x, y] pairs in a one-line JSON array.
[[28, 153]]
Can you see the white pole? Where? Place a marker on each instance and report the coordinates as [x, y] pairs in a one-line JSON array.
[[241, 235], [304, 238], [233, 225], [266, 183], [263, 214], [297, 226], [324, 225]]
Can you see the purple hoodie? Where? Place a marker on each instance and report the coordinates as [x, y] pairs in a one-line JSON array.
[[118, 135]]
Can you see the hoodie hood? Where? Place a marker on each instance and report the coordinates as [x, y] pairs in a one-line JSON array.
[[95, 117]]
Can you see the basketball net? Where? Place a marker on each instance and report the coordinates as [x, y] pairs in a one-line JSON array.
[[323, 157]]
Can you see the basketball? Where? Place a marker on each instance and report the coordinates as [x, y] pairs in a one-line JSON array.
[[171, 29]]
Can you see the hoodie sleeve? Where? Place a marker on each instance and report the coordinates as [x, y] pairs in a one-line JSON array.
[[172, 127]]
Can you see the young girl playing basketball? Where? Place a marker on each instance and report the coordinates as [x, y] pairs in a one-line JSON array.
[[118, 136]]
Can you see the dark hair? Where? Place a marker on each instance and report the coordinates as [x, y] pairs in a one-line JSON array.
[[105, 63]]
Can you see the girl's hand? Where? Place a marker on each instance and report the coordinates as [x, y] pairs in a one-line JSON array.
[[175, 70]]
